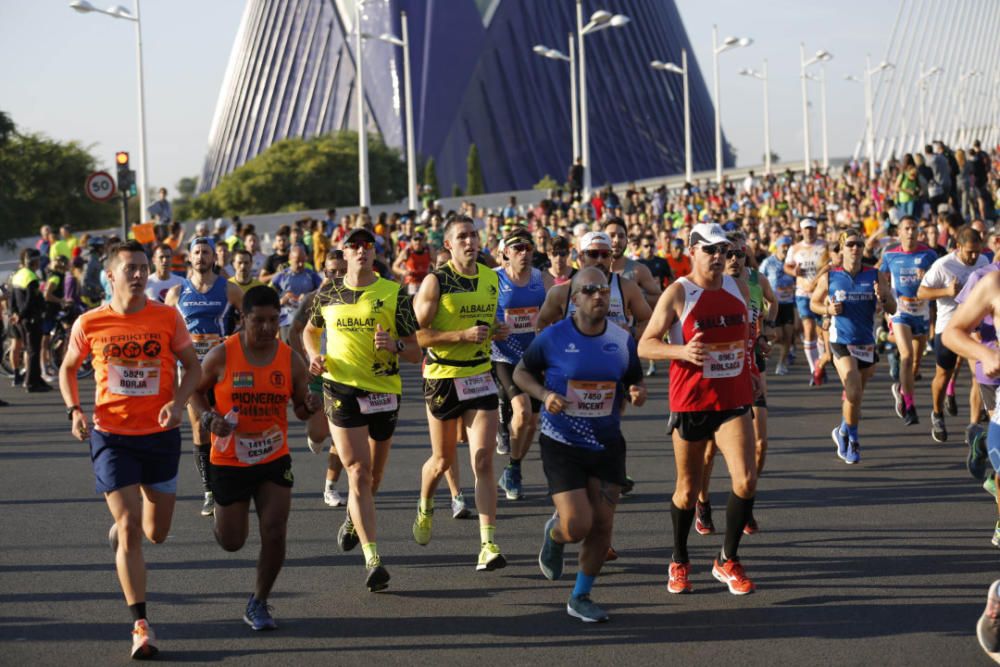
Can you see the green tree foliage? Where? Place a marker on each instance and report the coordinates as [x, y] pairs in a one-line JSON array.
[[320, 172], [547, 183], [431, 178], [473, 172], [42, 182]]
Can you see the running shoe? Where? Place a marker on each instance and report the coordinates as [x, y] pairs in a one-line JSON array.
[[898, 402], [258, 615], [422, 527], [490, 558], [651, 369], [550, 556], [629, 486], [503, 443], [818, 377], [458, 508], [853, 452], [703, 519], [910, 417], [113, 537], [988, 627], [50, 378], [143, 641], [978, 457], [677, 582], [782, 369], [731, 574], [790, 359], [39, 388], [990, 485], [752, 527], [347, 536], [612, 555], [996, 535], [840, 439], [951, 405], [938, 430], [18, 379], [378, 577], [510, 482], [208, 507], [893, 355], [583, 608], [315, 447], [333, 498]]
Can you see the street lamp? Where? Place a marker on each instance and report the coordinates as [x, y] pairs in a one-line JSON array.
[[821, 56], [821, 79], [411, 156], [364, 194], [727, 43], [869, 111], [555, 54], [120, 12], [922, 83], [762, 76], [963, 87], [683, 71], [599, 20]]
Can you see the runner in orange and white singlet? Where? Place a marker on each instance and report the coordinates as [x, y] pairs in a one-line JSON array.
[[707, 316], [135, 444]]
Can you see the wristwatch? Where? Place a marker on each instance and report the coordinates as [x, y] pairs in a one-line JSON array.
[[70, 410], [400, 346]]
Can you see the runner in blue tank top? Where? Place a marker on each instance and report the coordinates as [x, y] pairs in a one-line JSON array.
[[850, 294], [522, 293], [202, 300], [590, 367], [906, 264]]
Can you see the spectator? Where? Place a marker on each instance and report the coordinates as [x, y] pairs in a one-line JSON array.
[[292, 283]]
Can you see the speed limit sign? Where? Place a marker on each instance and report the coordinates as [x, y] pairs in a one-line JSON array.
[[100, 186]]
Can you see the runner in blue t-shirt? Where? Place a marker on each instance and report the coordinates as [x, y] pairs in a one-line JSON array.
[[907, 263], [773, 267], [590, 368]]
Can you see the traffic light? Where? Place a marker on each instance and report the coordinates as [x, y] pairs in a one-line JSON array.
[[125, 175]]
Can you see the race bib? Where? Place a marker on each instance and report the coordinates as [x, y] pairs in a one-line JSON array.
[[133, 378], [724, 360], [373, 403], [253, 448], [910, 306], [864, 353], [203, 343], [590, 399], [475, 386], [786, 293], [521, 320]]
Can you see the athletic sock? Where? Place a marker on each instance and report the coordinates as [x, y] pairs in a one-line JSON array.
[[738, 513], [515, 463], [584, 584], [682, 520], [812, 354], [370, 551], [845, 428], [330, 484], [426, 506], [908, 400], [138, 611], [950, 390], [852, 432], [201, 461], [486, 534]]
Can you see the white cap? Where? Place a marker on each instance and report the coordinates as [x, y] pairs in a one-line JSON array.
[[807, 222], [201, 229], [220, 223], [707, 233], [594, 238], [579, 229]]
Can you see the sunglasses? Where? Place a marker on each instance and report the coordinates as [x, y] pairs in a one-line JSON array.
[[521, 247], [597, 254], [647, 245], [854, 244], [359, 245], [560, 253], [715, 249], [590, 289], [336, 273], [737, 254]]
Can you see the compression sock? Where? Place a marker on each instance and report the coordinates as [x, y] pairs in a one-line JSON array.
[[426, 505], [584, 584], [682, 520], [812, 354], [845, 428], [950, 390], [201, 460], [370, 551], [852, 432], [138, 611], [486, 534], [515, 463], [908, 400], [738, 513]]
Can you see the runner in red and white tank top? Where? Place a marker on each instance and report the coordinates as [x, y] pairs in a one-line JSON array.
[[710, 396]]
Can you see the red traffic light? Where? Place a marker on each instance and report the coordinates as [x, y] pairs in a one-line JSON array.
[[121, 157]]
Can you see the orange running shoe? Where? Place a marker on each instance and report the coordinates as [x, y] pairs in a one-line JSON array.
[[731, 574], [143, 641], [751, 527], [678, 582], [612, 555]]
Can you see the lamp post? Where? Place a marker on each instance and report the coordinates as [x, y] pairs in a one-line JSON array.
[[683, 71], [599, 20], [120, 12], [963, 89], [922, 83], [870, 111], [821, 56], [727, 43], [364, 195], [555, 54], [762, 76]]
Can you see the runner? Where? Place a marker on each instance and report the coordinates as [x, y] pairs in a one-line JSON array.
[[202, 300], [589, 369], [369, 325], [135, 443], [806, 261], [161, 282], [256, 375], [707, 316], [414, 262], [456, 310], [849, 294], [773, 267], [627, 268], [522, 293], [292, 283], [907, 263], [942, 283]]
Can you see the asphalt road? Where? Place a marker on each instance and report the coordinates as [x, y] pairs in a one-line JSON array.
[[886, 562]]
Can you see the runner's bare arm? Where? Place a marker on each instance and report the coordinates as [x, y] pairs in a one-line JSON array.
[[769, 296], [531, 384], [818, 298], [652, 344], [173, 296], [650, 285], [299, 323], [304, 402], [212, 368], [425, 305], [68, 386], [888, 299], [636, 305], [547, 280], [399, 266], [957, 336], [234, 295], [553, 307]]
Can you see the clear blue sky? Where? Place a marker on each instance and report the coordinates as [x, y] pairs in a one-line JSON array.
[[72, 76]]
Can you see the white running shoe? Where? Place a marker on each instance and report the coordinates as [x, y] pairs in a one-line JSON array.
[[315, 447], [333, 498]]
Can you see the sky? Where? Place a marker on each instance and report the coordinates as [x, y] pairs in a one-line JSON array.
[[72, 76]]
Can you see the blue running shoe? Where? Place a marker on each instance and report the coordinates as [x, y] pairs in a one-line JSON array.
[[978, 457], [840, 439], [510, 482], [258, 615], [853, 452], [583, 608], [550, 558]]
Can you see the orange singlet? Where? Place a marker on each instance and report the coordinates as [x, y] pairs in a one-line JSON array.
[[134, 363], [262, 394]]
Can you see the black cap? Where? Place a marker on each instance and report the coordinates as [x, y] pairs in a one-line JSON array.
[[359, 231]]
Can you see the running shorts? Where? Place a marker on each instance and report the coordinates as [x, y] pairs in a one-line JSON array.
[[124, 460], [919, 326], [945, 358], [349, 407], [701, 425], [805, 312], [444, 403], [568, 468], [233, 484], [840, 351], [504, 374], [786, 314]]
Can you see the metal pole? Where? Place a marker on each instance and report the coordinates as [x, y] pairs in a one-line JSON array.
[[869, 117], [922, 93], [574, 115], [124, 216], [364, 197], [411, 153], [688, 159], [718, 114], [767, 127], [584, 130], [805, 107], [822, 105], [143, 173]]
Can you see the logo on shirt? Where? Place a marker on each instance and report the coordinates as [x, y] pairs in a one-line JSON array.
[[131, 350], [278, 379], [151, 348], [377, 305], [243, 380], [493, 290], [610, 348], [112, 351], [571, 348]]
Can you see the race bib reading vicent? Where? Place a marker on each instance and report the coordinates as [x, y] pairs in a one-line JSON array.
[[723, 360], [475, 386], [134, 378], [590, 399], [252, 448], [373, 403]]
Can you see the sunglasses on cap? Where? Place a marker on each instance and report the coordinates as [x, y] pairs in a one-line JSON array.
[[737, 254], [597, 254], [590, 289], [359, 245], [715, 248]]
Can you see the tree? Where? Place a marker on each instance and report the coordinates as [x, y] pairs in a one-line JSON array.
[[42, 181], [473, 172], [775, 158], [455, 190], [431, 178], [547, 183]]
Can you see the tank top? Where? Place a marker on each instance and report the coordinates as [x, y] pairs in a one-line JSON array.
[[723, 382], [856, 326], [418, 264], [253, 282], [261, 393], [809, 258], [203, 314], [756, 308], [616, 305], [465, 301], [517, 306]]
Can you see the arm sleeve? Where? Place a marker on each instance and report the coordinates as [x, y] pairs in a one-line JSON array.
[[633, 374], [406, 319], [181, 338]]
